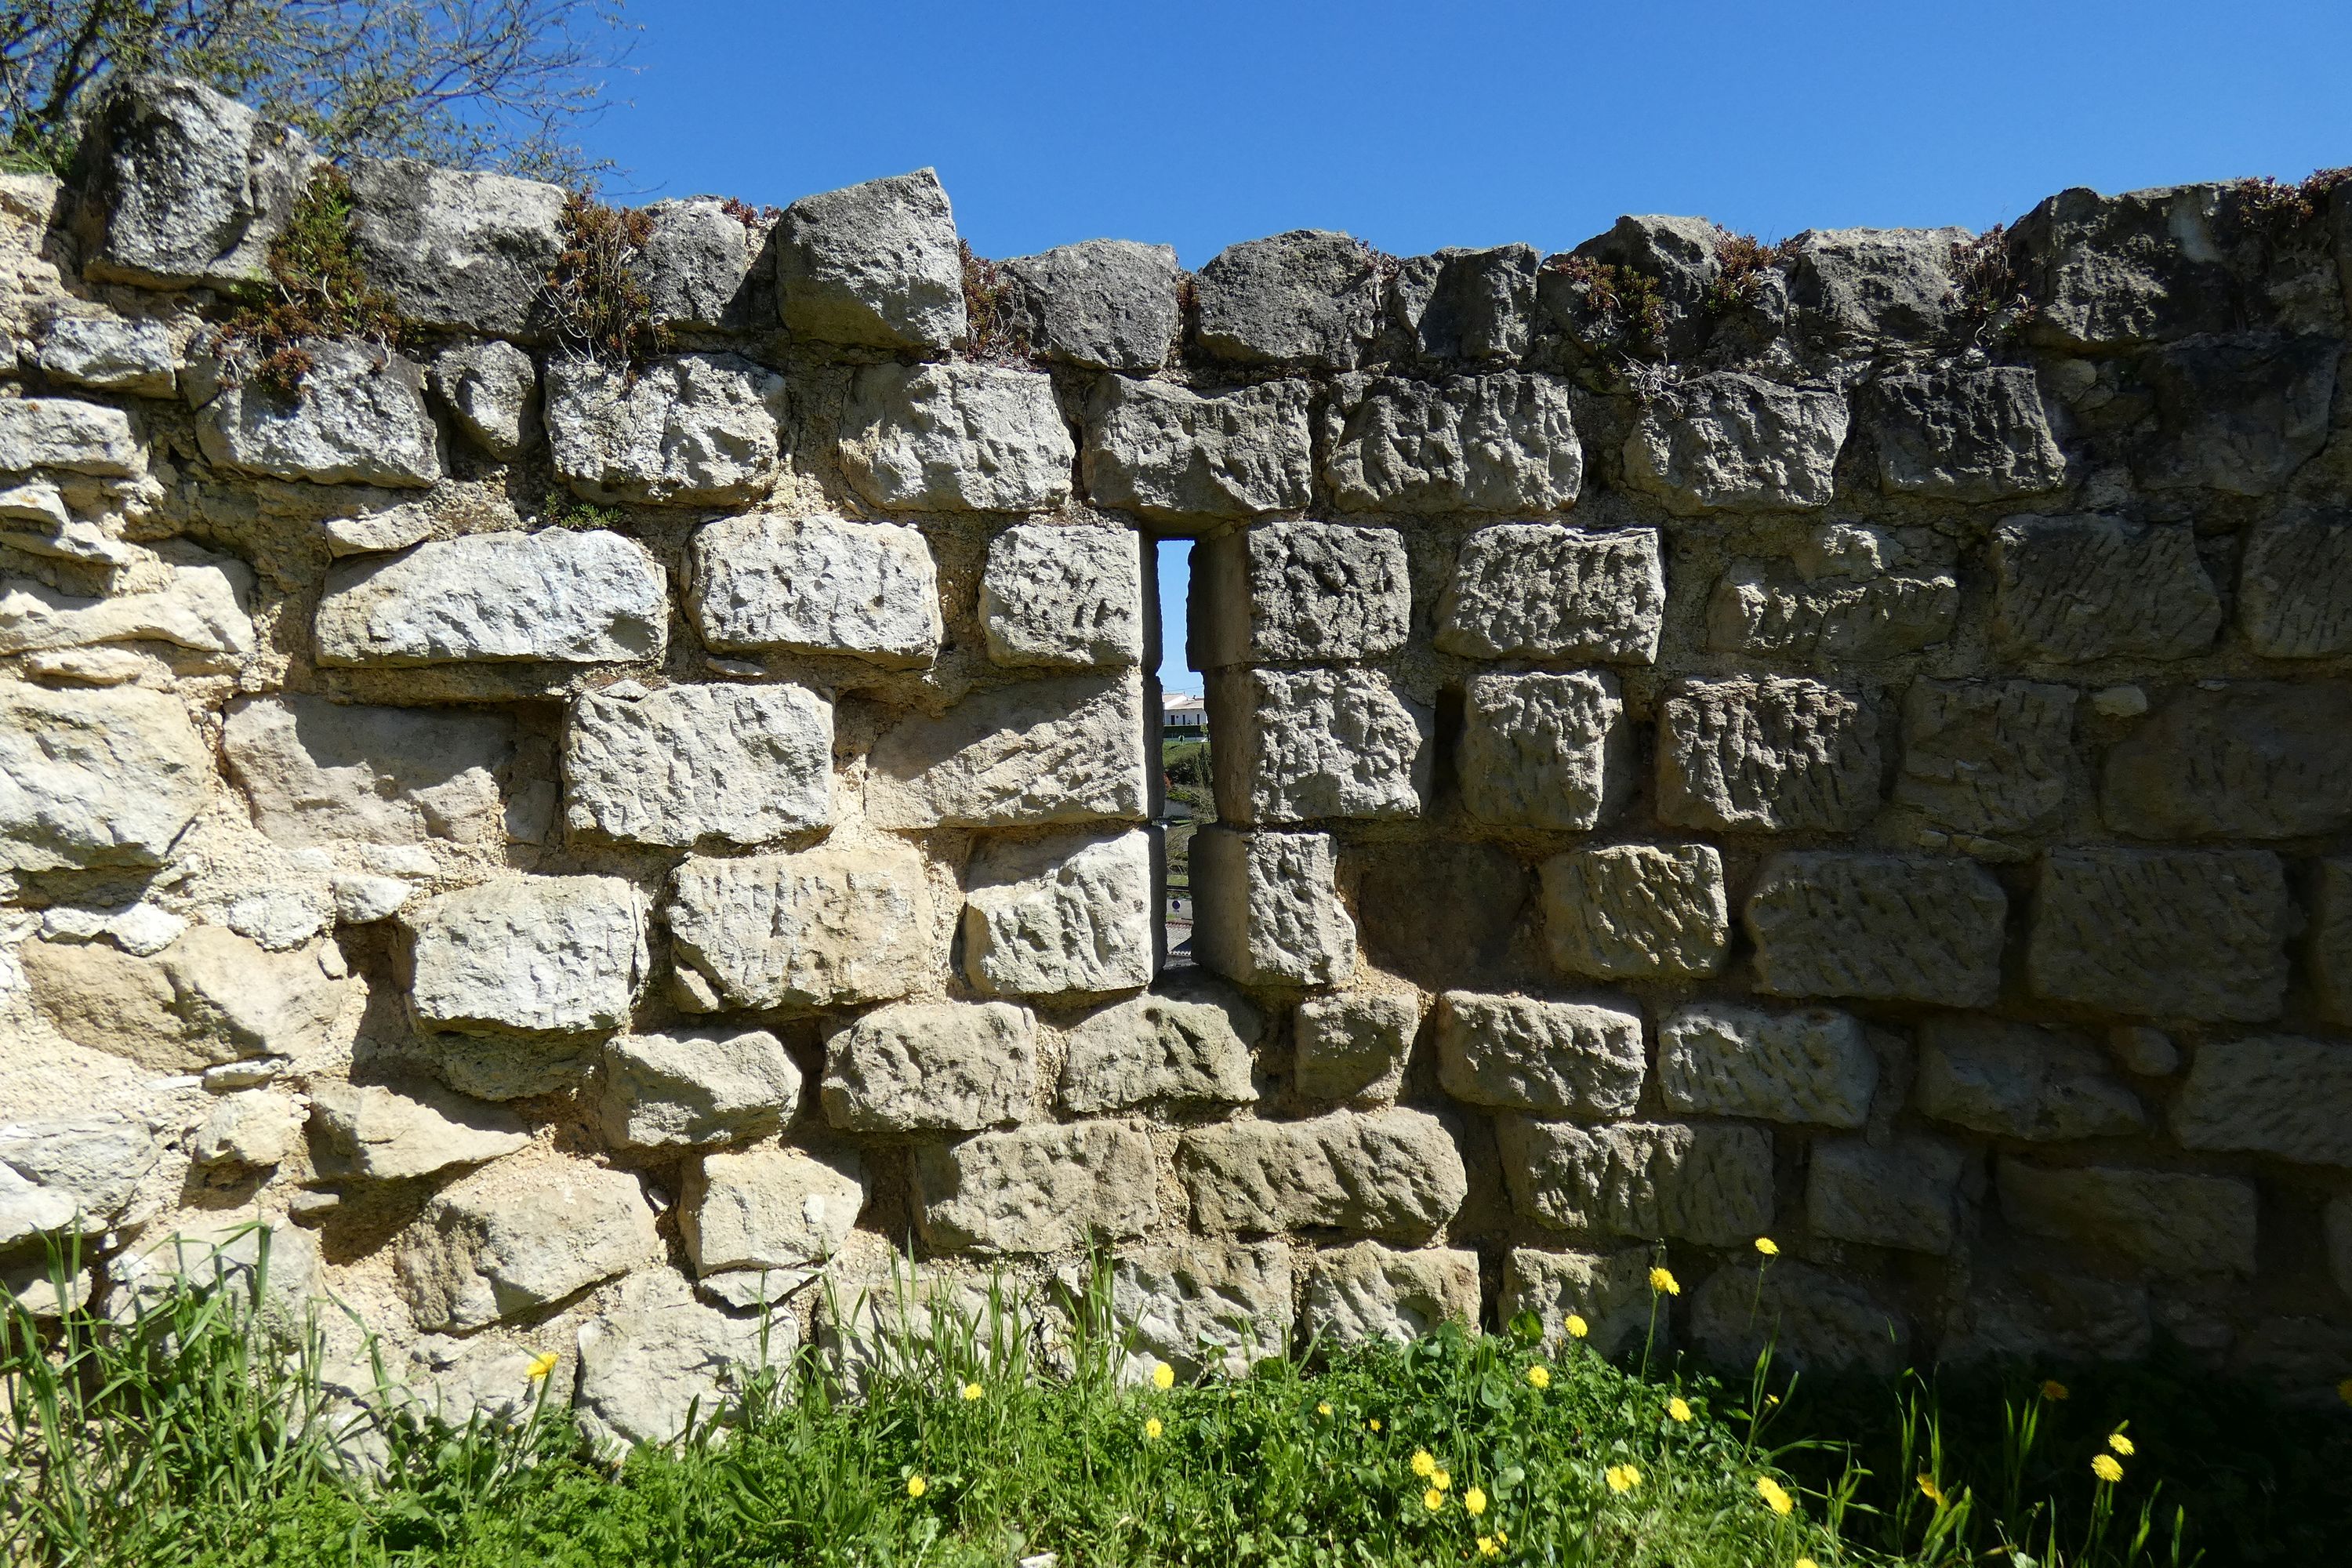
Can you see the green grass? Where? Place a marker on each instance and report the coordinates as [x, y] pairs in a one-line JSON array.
[[198, 1435]]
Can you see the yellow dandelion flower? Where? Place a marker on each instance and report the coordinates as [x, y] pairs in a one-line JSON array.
[[972, 1390], [1679, 1408], [1432, 1499], [1804, 1563], [2104, 1466], [1474, 1502], [1662, 1280], [1373, 1425], [1441, 1479], [1151, 1429], [2344, 1391], [1930, 1491], [541, 1365], [1774, 1494], [1164, 1377], [916, 1486], [2054, 1390], [2120, 1444], [1622, 1477], [1577, 1327], [1768, 1247], [1324, 1408], [1488, 1548], [1424, 1463], [1539, 1375], [1503, 1536]]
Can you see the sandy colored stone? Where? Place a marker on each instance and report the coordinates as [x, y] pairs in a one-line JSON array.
[[2272, 1094], [1501, 443], [1635, 911], [92, 778], [1190, 1048], [560, 956], [956, 437], [815, 584], [1054, 916], [1298, 592], [1037, 1189], [933, 1066], [2020, 1080], [1531, 590], [1756, 608], [1166, 452], [2069, 590], [200, 604], [1204, 1304], [1905, 1195], [1353, 1046], [1545, 750], [208, 997], [657, 1361], [380, 1134], [1812, 1066], [2161, 933], [1828, 923], [325, 773], [2168, 1223], [1068, 749], [745, 764], [1267, 908], [1306, 744], [695, 1087], [1062, 597], [1393, 1173], [777, 1209], [518, 1235], [1609, 1290], [695, 429], [1728, 441], [1709, 1184], [817, 929], [873, 264], [1770, 755], [1522, 1053], [357, 416], [566, 597], [1372, 1292]]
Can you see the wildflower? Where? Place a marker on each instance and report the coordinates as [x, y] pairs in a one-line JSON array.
[[1661, 1279], [1679, 1408], [1539, 1375], [1577, 1327], [972, 1390], [1151, 1429], [2344, 1391], [1768, 1247], [2054, 1390], [1441, 1479], [1324, 1408], [1804, 1563], [916, 1486], [1774, 1494], [541, 1365], [1474, 1502], [1425, 1463], [1432, 1499], [1374, 1423], [1930, 1491], [2104, 1466], [2120, 1444], [1770, 1400], [1164, 1377], [1487, 1547], [1622, 1477]]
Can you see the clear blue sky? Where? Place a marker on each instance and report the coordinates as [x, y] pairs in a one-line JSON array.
[[1416, 125]]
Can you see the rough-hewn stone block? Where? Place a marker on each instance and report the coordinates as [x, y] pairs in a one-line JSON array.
[[1103, 304], [562, 597], [2238, 412], [491, 391], [817, 929], [1728, 441], [198, 604], [1203, 1305], [1267, 908], [379, 1133], [1759, 609], [695, 429], [104, 777], [2249, 760], [2274, 1094], [1905, 1196], [1069, 598], [2156, 933], [1537, 590], [703, 265], [1372, 1292], [769, 1209], [689, 1088], [1966, 436], [956, 437], [1354, 1045], [2168, 1223], [1167, 452], [1065, 749], [933, 1065], [198, 1000], [358, 417], [515, 1236], [2115, 272], [1807, 1317], [2330, 945], [1813, 1066], [2021, 1080], [1308, 297], [559, 955], [1188, 1049], [1553, 1057], [2045, 1315], [1637, 911], [1611, 1291], [1545, 750], [456, 247], [2295, 587], [1037, 1189], [1463, 304], [1501, 443], [1306, 744], [816, 584], [875, 265], [1987, 757], [1771, 755], [747, 764], [1049, 916], [1709, 1184], [62, 433], [657, 1360], [1883, 926], [137, 355], [1284, 592], [2068, 589], [1394, 1173], [1876, 282]]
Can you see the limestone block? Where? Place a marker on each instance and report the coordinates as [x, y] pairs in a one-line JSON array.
[[2044, 1315], [2156, 933], [1309, 297], [1266, 909], [769, 1209], [694, 429], [2114, 272], [820, 928], [1757, 609], [1393, 1173], [589, 597], [931, 1067], [1305, 745], [1813, 1066], [1813, 1320], [1728, 441], [455, 248], [88, 1166], [2274, 1094], [747, 764], [1537, 590], [2068, 589], [185, 187], [89, 778], [1353, 1046], [1051, 916], [691, 1088], [559, 955], [1609, 1290], [1876, 282], [323, 773], [956, 437], [1204, 1305], [1635, 911], [490, 389], [1987, 757], [509, 1066], [2295, 587], [1192, 1047], [379, 1133], [1101, 304], [134, 354], [252, 1129], [61, 432], [1372, 1292], [1284, 593], [199, 604], [2169, 1223], [1555, 1058], [2238, 412], [210, 997], [658, 1360], [1970, 436], [1037, 1189], [1711, 1185], [815, 584], [2330, 946], [1164, 451], [1064, 750], [2248, 760], [518, 1235], [1827, 924], [1769, 755], [2021, 1080], [1499, 443], [699, 262], [1070, 598], [1459, 304], [1545, 750], [1905, 1195], [220, 1248], [875, 265], [28, 1210], [358, 417]]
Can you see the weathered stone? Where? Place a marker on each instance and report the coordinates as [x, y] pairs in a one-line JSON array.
[[695, 429], [1500, 443], [455, 248], [134, 354], [2147, 1051], [875, 264], [323, 773], [931, 1067], [1611, 1291], [1810, 1319], [264, 1259], [383, 1134], [1102, 304], [1544, 751], [820, 928], [1051, 916], [2238, 414], [1679, 256], [357, 417], [696, 1086], [2295, 587], [1354, 1045], [783, 1210], [1070, 598], [1159, 449], [2020, 1080], [510, 1067], [2156, 933], [2337, 1225], [1876, 282], [1065, 749], [378, 532], [2168, 1223], [1535, 590], [1308, 297], [2068, 589], [199, 605], [1299, 592], [489, 388], [1037, 1189], [105, 777], [816, 584], [1905, 1196], [30, 1210], [2330, 946], [1266, 909], [1728, 441], [1769, 755], [1965, 436], [2274, 1094], [2248, 760], [252, 1129], [1557, 1058], [560, 956], [518, 1235], [2043, 1316], [1987, 757], [658, 1364], [1204, 1305], [956, 437], [1305, 745], [747, 764], [1710, 1185], [590, 597], [61, 432], [1826, 923], [81, 1174], [210, 997], [2114, 272], [1394, 1173], [1190, 1047], [1372, 1292], [1460, 304], [1637, 911], [1755, 609], [1813, 1066]]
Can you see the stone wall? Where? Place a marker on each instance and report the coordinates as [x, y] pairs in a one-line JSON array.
[[1849, 743]]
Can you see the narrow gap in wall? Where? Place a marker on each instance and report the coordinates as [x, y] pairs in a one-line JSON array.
[[1183, 743]]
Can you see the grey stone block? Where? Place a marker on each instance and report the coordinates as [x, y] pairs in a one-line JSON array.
[[2068, 589], [1166, 452], [692, 1088], [491, 390], [2048, 1316], [1067, 598], [2238, 414], [1770, 755], [1367, 1291], [136, 355], [1826, 923], [552, 955], [1474, 305], [956, 437], [379, 1133], [2162, 933], [1811, 1319], [1523, 590], [2021, 1080], [1203, 1305], [453, 247], [747, 764], [1728, 441], [517, 1237], [1711, 1185], [2168, 1224], [875, 265], [555, 597], [1609, 1290], [2295, 587], [701, 266], [1987, 757], [1309, 297], [1354, 1045], [1905, 1196], [1190, 1048], [1282, 593], [815, 584], [1815, 1066], [933, 1065], [2274, 1094], [1046, 917], [1302, 745], [1068, 749], [1876, 282], [1550, 752], [1266, 909], [2248, 760], [1103, 304], [1499, 443], [358, 417], [2115, 272], [769, 1209], [1037, 1189], [1966, 436], [694, 429], [1392, 1173], [67, 433], [1757, 608], [318, 773], [820, 928], [1637, 911], [1551, 1057], [1678, 255]]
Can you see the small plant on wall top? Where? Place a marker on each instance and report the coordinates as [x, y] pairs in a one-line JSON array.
[[317, 288], [597, 302], [992, 327]]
